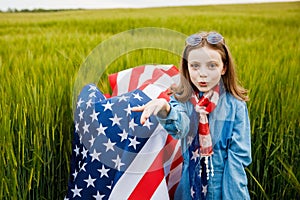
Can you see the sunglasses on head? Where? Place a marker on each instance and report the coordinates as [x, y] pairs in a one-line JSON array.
[[212, 38]]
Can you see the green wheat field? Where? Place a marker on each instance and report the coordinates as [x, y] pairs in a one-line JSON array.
[[41, 53]]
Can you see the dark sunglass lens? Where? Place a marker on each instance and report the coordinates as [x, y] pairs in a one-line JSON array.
[[194, 40], [214, 38]]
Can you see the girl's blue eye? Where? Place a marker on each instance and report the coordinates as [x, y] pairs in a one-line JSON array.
[[195, 66], [212, 65]]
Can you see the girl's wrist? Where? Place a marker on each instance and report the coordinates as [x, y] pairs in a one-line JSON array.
[[164, 112], [168, 108]]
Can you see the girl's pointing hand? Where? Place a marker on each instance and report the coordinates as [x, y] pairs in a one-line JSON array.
[[158, 107]]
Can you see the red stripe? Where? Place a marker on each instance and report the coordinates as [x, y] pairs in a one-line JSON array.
[[172, 71], [193, 100], [113, 83], [177, 159], [165, 95], [203, 101], [203, 129], [206, 151], [107, 96], [135, 77], [155, 174], [210, 107], [157, 73], [172, 191], [145, 84]]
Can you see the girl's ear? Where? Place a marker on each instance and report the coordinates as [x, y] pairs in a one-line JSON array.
[[224, 70]]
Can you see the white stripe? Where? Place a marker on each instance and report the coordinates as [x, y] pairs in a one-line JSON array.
[[215, 97], [203, 119], [205, 140], [160, 85], [176, 78], [165, 67], [161, 193], [140, 165], [123, 81], [165, 81], [146, 75], [175, 176], [153, 91]]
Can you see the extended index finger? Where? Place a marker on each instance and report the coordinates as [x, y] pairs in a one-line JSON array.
[[138, 108]]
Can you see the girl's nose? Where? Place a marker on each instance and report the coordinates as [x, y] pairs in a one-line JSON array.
[[202, 72]]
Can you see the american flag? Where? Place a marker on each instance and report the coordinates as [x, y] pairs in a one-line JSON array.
[[114, 156]]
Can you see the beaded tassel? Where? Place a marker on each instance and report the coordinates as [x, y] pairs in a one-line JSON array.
[[212, 167], [209, 166]]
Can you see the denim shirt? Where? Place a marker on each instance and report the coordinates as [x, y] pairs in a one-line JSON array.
[[230, 131]]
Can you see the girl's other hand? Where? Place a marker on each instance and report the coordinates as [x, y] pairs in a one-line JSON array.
[[159, 107]]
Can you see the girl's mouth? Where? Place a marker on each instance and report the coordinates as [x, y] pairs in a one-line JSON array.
[[202, 84]]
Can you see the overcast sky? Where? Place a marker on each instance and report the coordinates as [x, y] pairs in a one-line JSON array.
[[94, 4]]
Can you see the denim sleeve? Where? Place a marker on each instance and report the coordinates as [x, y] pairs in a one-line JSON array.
[[177, 123], [239, 156]]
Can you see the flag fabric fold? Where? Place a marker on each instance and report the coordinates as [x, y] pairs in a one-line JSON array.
[[116, 157]]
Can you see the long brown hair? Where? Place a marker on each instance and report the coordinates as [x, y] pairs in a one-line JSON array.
[[185, 89]]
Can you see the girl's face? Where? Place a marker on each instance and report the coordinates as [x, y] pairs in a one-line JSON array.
[[205, 67]]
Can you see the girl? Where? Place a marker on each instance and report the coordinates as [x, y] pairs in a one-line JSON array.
[[207, 111]]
